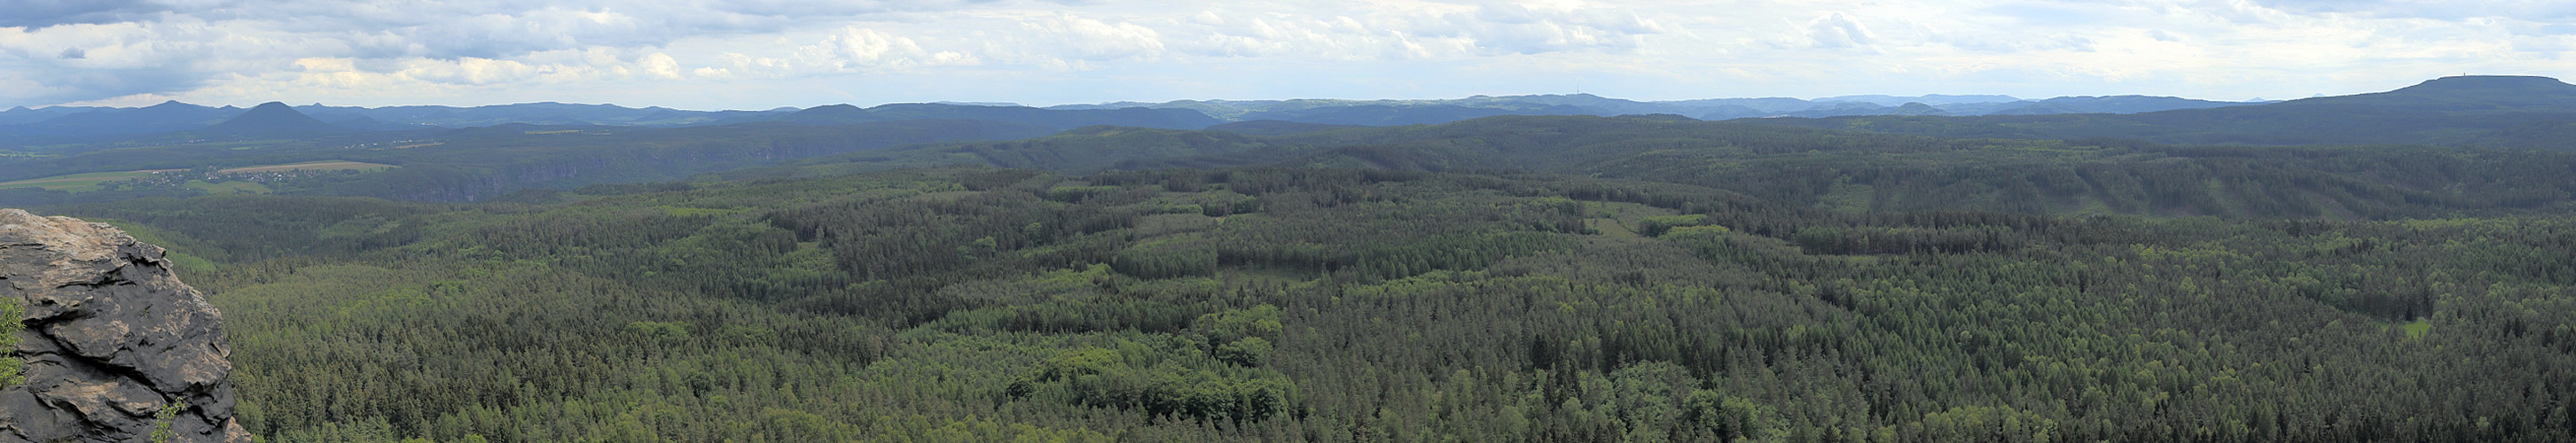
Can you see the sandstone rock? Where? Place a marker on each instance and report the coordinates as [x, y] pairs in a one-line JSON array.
[[113, 339]]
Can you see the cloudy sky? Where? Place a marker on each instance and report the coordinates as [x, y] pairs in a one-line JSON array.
[[757, 54]]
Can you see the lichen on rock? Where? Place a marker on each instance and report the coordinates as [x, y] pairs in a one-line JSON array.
[[111, 340]]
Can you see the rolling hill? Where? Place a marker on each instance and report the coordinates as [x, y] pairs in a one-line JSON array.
[[165, 117], [2026, 164], [2469, 110], [1839, 170], [273, 120]]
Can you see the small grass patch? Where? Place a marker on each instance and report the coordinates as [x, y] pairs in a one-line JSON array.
[[2218, 193], [2089, 205], [1849, 198], [2417, 329]]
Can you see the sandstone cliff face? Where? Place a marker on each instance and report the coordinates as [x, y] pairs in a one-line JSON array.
[[113, 340]]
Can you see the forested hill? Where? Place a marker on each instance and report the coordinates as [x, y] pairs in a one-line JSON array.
[[1837, 170], [1849, 171], [273, 120], [1357, 305], [2532, 112], [1822, 168], [2072, 164], [481, 163], [1058, 119]]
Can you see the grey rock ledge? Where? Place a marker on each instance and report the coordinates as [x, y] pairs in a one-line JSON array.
[[112, 339]]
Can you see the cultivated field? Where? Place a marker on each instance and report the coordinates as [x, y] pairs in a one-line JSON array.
[[90, 181], [324, 165]]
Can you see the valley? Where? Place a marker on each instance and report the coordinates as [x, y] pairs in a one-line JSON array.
[[922, 273]]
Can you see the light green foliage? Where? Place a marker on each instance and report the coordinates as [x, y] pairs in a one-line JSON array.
[[1848, 197], [1697, 231], [1974, 423], [925, 429], [659, 330], [1248, 351], [1657, 226], [1240, 336], [161, 421], [1236, 324], [1732, 418]]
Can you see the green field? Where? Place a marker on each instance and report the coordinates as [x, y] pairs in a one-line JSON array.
[[317, 165], [90, 181], [75, 182]]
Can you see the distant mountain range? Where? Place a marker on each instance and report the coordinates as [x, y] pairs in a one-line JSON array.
[[1399, 112], [181, 121], [2467, 110], [463, 164], [165, 117]]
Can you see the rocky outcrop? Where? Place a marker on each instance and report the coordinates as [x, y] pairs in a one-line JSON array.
[[115, 347]]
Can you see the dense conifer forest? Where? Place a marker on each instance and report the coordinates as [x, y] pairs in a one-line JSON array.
[[1512, 278], [1380, 303]]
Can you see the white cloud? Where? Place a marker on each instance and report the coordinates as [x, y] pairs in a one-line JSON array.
[[847, 50], [1404, 32], [661, 65], [857, 48], [480, 51], [1088, 39], [1835, 30]]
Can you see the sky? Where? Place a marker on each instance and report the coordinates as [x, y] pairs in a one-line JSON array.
[[760, 54]]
